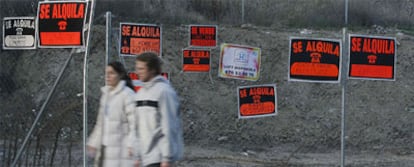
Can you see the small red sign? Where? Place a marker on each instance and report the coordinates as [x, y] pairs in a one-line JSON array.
[[135, 81], [203, 36], [256, 101], [166, 75], [196, 60]]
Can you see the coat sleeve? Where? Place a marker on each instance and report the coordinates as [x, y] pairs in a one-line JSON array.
[[130, 114], [95, 139], [168, 108]]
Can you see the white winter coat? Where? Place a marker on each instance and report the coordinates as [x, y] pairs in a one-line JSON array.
[[159, 123], [117, 106]]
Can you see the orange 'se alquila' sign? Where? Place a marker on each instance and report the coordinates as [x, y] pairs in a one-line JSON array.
[[256, 101], [139, 38], [372, 57], [196, 60], [60, 23], [315, 60]]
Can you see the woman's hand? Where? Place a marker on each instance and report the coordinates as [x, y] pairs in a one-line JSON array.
[[91, 151], [165, 164], [136, 163], [130, 152]]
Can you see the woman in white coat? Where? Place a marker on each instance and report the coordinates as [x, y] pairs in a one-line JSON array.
[[113, 136]]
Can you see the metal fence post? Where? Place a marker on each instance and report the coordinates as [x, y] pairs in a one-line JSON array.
[[343, 88], [346, 13], [343, 84], [242, 11], [85, 84], [108, 38]]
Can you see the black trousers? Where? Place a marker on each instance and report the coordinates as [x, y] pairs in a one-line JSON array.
[[154, 165], [102, 157]]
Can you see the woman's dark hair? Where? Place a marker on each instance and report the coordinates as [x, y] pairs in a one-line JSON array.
[[152, 60], [120, 69]]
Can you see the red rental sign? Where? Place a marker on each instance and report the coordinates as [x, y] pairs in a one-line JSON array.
[[196, 60], [203, 36], [60, 23], [166, 75], [372, 57], [139, 38], [314, 60], [257, 101]]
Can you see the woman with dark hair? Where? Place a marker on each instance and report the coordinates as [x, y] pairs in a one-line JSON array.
[[113, 136]]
